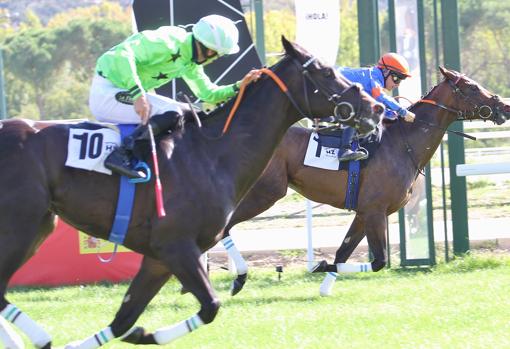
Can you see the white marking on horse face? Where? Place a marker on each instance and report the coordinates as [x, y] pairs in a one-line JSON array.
[[347, 239], [127, 298]]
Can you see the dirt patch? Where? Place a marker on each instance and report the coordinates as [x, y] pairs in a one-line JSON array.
[[286, 258]]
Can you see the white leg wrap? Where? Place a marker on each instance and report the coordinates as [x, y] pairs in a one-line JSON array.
[[327, 284], [167, 334], [37, 335], [233, 252], [95, 341], [8, 337], [353, 267]]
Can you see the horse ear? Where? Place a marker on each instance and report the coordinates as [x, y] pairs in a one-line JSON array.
[[288, 46], [446, 73]]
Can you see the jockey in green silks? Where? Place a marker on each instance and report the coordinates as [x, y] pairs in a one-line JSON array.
[[149, 59]]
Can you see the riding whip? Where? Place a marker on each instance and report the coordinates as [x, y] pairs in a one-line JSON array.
[[158, 188]]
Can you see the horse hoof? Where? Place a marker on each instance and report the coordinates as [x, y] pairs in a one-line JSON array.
[[321, 267], [238, 284], [137, 336]]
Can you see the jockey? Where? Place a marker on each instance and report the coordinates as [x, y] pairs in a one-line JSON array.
[[146, 60], [391, 69]]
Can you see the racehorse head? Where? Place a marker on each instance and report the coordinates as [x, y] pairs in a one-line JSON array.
[[472, 101], [323, 85]]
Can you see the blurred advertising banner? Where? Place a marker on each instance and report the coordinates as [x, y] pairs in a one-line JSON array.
[[69, 257], [318, 27], [406, 29]]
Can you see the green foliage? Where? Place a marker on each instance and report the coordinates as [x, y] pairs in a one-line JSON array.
[[49, 67]]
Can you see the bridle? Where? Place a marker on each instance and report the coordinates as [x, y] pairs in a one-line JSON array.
[[484, 112], [327, 93]]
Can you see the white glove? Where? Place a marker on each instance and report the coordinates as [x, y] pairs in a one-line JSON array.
[[410, 116]]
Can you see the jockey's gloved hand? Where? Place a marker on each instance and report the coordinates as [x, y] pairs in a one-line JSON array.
[[410, 116]]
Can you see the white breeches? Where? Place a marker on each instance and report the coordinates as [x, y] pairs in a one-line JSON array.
[[106, 108]]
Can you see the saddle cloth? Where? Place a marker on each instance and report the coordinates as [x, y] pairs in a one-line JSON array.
[[322, 152], [89, 144]]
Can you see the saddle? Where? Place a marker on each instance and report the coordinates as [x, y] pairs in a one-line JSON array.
[[332, 138]]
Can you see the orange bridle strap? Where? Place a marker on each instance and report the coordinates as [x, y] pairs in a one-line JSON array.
[[429, 101], [266, 71]]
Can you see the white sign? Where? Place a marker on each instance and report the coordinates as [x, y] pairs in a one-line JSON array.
[[406, 28], [318, 27], [87, 149]]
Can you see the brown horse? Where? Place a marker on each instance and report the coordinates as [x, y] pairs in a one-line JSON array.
[[385, 182], [205, 177]]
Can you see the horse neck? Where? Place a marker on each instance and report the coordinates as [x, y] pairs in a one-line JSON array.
[[423, 139], [257, 128]]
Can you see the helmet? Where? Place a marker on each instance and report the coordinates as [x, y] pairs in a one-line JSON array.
[[394, 62], [217, 33]]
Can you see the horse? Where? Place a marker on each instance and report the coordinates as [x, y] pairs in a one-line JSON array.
[[404, 150], [205, 174]]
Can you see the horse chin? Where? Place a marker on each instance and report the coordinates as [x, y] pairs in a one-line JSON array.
[[366, 127], [500, 119]]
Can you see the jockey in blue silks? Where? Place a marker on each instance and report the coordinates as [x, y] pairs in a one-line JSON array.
[[391, 69]]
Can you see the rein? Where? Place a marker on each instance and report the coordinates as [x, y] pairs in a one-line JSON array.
[[332, 97], [432, 102], [275, 78], [462, 115]]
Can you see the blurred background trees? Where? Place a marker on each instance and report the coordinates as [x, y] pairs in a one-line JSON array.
[[50, 46]]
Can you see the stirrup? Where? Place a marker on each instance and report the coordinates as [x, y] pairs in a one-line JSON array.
[[352, 155], [118, 162], [142, 167]]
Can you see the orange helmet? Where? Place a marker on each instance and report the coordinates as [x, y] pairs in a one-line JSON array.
[[394, 62]]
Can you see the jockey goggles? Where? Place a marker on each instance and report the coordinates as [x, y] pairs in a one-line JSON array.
[[397, 77]]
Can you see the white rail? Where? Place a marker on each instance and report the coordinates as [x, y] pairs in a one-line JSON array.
[[482, 169]]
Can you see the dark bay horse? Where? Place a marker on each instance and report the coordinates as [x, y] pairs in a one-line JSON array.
[[385, 183], [204, 176]]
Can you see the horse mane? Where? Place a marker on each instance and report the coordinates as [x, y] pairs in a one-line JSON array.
[[425, 96], [224, 108], [12, 133]]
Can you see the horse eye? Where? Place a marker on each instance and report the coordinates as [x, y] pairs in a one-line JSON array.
[[474, 88]]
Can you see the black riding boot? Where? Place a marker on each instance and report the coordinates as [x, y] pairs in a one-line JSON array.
[[345, 153], [120, 160]]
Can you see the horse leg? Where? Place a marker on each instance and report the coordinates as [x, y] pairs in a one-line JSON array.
[[238, 260], [375, 228], [183, 260], [151, 276], [269, 188], [17, 250], [352, 239]]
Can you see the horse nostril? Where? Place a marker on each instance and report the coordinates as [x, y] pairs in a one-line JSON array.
[[378, 109]]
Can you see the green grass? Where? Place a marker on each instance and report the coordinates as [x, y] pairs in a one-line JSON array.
[[463, 304]]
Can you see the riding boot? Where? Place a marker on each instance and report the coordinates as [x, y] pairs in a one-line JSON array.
[[345, 153], [121, 159]]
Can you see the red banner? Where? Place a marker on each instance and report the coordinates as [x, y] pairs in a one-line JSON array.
[[69, 257]]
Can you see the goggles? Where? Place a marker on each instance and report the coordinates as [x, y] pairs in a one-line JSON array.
[[397, 77]]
